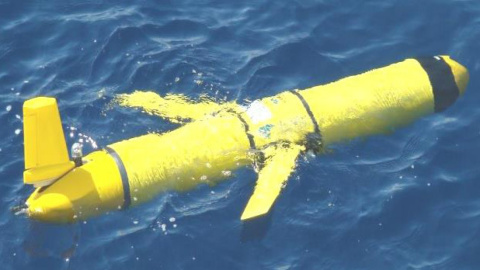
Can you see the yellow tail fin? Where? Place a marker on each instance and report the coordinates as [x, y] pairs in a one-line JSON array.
[[46, 155]]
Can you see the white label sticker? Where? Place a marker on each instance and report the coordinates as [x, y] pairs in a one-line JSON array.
[[258, 112]]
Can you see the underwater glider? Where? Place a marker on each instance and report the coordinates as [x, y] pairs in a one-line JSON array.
[[270, 133]]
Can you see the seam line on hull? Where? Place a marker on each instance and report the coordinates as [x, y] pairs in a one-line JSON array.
[[250, 137], [123, 175], [247, 128], [309, 111]]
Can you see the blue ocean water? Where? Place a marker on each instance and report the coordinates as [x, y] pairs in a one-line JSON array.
[[410, 200]]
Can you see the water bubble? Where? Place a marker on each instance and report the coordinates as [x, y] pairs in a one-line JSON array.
[[177, 79], [172, 219], [8, 108], [135, 222], [174, 225], [17, 131], [203, 178]]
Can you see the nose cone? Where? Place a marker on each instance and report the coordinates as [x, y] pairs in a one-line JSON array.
[[51, 207], [460, 73]]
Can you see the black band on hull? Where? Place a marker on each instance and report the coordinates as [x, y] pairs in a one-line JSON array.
[[247, 128], [309, 111], [123, 174], [442, 80], [250, 136]]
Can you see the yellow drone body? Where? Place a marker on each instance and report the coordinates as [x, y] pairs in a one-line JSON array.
[[269, 133]]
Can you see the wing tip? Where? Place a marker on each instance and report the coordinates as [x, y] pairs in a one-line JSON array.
[[253, 211]]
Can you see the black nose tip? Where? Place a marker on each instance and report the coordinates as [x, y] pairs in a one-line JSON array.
[[442, 81]]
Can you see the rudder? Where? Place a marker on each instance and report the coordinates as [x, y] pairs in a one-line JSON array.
[[46, 155]]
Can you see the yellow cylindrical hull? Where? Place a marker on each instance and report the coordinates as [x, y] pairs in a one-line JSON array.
[[208, 150]]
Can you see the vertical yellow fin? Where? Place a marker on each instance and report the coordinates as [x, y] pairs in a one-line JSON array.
[[271, 179], [46, 155]]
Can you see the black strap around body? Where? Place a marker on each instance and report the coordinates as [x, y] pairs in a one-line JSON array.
[[123, 174]]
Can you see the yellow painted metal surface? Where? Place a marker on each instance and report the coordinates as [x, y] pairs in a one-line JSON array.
[[86, 191], [46, 155], [202, 152], [281, 161]]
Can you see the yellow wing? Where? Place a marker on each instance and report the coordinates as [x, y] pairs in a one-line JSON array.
[[271, 178], [176, 108]]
